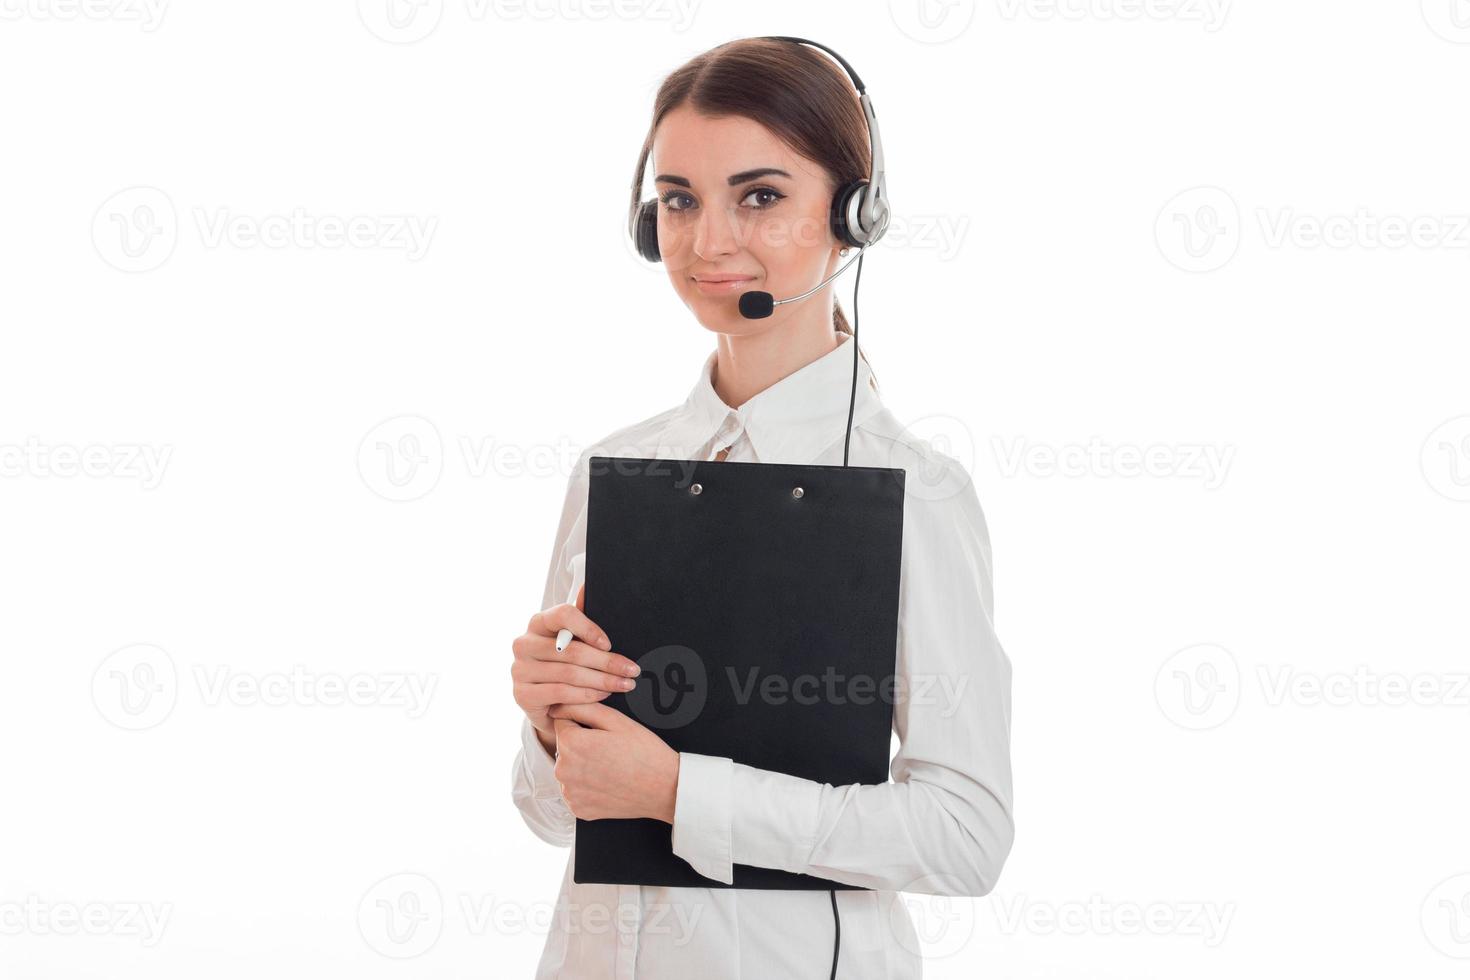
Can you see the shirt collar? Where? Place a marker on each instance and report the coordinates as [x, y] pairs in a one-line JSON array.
[[792, 421]]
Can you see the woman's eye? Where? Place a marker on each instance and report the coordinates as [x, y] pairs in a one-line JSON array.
[[679, 201], [774, 197]]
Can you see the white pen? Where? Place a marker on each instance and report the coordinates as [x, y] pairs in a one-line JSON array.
[[564, 636]]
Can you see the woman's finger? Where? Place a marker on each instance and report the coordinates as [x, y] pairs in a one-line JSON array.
[[544, 695], [556, 672], [568, 616], [541, 647]]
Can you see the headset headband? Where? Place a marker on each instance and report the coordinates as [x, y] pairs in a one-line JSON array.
[[872, 212]]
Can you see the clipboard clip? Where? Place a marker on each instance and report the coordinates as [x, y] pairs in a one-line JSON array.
[[698, 489]]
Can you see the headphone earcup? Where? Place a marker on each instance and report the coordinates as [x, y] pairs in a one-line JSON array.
[[846, 202], [645, 231]]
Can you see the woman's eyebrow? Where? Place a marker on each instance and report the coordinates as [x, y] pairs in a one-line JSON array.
[[745, 175], [734, 179]]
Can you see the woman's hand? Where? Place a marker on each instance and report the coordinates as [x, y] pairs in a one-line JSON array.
[[583, 672], [610, 765]]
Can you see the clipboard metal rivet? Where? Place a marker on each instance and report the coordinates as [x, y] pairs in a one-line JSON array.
[[696, 489], [798, 493]]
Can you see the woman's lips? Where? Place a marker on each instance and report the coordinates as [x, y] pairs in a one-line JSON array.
[[712, 288]]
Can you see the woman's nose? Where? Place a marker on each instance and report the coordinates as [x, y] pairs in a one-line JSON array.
[[716, 233]]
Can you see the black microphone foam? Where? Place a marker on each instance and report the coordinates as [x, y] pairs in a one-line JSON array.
[[756, 305]]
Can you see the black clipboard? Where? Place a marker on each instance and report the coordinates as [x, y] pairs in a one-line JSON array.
[[761, 601]]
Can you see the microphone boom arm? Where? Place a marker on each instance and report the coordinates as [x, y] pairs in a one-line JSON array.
[[843, 268]]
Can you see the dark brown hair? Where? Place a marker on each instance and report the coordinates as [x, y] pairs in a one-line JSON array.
[[794, 90]]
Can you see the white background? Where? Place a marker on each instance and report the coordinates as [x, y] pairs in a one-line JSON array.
[[1188, 229]]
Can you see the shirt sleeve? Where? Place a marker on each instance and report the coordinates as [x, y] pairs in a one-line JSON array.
[[534, 787], [944, 824]]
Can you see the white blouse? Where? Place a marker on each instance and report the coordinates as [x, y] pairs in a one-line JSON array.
[[943, 826]]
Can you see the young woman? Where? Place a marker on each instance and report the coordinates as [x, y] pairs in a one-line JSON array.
[[750, 142]]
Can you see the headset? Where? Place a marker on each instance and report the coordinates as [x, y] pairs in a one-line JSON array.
[[858, 217]]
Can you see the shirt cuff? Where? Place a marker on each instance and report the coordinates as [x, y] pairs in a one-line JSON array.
[[540, 764], [702, 813], [775, 818]]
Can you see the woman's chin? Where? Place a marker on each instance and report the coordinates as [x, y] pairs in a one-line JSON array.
[[722, 315]]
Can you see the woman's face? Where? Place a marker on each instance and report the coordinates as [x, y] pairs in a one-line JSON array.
[[737, 204]]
